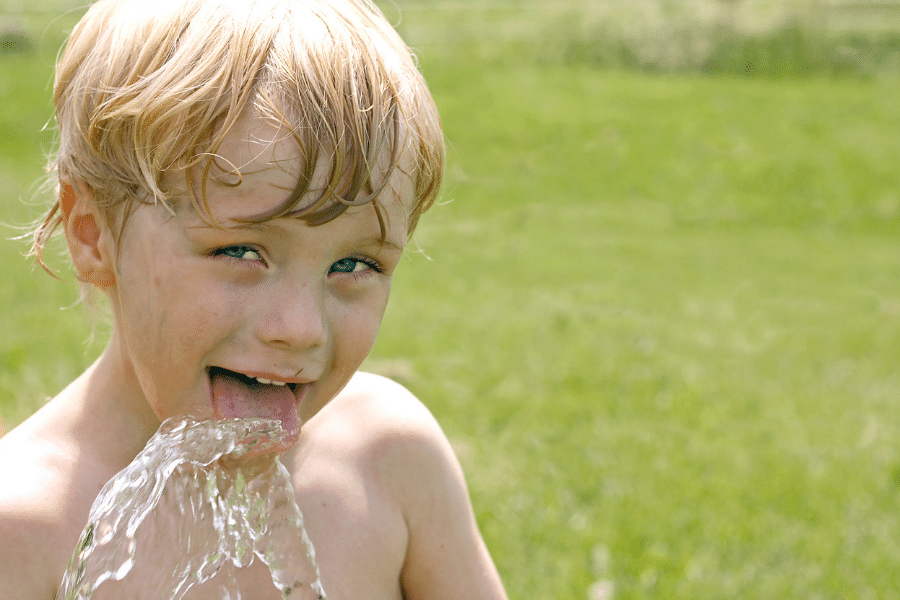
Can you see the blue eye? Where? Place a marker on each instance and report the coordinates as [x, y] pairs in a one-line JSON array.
[[353, 265], [239, 253]]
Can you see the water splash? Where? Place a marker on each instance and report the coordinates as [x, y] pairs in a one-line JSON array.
[[202, 499]]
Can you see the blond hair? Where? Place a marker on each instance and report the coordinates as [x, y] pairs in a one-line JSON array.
[[145, 87]]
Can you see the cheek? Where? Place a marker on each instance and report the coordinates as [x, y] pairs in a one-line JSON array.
[[358, 330], [164, 314]]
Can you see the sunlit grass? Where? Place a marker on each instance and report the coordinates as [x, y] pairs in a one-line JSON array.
[[659, 319]]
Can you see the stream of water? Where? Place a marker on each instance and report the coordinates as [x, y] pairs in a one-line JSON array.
[[195, 508]]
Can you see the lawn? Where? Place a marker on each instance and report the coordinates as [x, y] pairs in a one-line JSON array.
[[668, 309], [658, 316]]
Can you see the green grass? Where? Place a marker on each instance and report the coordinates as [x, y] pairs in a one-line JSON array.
[[661, 319], [659, 322]]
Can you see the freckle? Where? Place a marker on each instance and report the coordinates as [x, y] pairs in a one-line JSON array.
[[156, 281]]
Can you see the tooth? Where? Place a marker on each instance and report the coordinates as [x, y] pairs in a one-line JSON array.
[[270, 382]]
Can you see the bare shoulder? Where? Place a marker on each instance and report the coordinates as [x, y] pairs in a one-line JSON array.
[[385, 408], [50, 479], [381, 395], [32, 469], [387, 436], [35, 508], [385, 425]]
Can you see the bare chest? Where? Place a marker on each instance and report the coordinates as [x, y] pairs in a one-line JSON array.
[[359, 543]]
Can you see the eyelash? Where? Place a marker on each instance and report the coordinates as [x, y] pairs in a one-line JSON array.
[[373, 266], [222, 252]]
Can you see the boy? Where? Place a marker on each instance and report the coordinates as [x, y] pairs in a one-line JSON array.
[[239, 178]]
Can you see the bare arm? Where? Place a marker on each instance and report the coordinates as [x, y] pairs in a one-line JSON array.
[[446, 557], [22, 571]]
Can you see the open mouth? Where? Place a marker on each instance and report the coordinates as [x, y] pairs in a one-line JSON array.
[[239, 396], [254, 383]]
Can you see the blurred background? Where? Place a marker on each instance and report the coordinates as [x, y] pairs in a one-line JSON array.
[[657, 309]]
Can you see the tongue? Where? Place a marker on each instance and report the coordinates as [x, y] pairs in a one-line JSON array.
[[235, 398]]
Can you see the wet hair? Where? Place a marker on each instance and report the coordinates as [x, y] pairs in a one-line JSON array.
[[149, 87]]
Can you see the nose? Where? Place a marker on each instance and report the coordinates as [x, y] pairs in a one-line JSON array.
[[293, 317]]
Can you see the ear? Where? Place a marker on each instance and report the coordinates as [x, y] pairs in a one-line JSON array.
[[87, 235]]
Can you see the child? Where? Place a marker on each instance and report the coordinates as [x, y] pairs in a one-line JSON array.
[[239, 178]]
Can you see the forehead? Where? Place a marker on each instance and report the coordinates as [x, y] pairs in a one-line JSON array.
[[255, 146], [255, 153], [257, 167]]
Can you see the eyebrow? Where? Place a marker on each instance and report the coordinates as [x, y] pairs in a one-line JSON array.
[[382, 243], [262, 227], [377, 241]]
